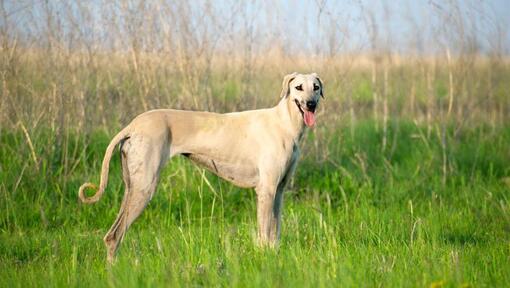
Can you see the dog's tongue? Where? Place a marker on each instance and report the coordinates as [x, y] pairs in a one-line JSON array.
[[309, 118]]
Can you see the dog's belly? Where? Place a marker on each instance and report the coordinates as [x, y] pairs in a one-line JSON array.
[[237, 173]]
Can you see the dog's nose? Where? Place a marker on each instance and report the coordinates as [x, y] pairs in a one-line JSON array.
[[310, 105]]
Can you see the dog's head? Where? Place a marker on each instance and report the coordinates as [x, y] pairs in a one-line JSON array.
[[305, 91]]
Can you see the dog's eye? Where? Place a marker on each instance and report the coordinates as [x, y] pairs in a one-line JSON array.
[[315, 87], [299, 87]]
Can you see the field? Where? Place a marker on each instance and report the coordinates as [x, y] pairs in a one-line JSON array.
[[404, 181], [366, 218]]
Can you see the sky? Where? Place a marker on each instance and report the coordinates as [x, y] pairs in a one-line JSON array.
[[322, 26], [399, 22]]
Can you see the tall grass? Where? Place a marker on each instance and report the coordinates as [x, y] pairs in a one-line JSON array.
[[357, 217]]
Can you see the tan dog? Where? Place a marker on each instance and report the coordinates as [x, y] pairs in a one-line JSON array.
[[257, 148]]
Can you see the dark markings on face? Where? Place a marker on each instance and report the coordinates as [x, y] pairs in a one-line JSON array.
[[316, 89]]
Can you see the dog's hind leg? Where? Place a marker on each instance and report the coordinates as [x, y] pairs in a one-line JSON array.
[[141, 163]]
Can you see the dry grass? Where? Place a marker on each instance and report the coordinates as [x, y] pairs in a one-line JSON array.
[[69, 64]]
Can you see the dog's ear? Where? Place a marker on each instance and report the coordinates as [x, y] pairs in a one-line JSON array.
[[320, 84], [285, 84]]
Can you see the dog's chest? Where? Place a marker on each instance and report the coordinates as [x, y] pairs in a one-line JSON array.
[[294, 156], [295, 153]]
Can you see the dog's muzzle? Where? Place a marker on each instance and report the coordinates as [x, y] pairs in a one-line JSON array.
[[310, 106], [308, 113]]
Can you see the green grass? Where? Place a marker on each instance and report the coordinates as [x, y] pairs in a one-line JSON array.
[[353, 216]]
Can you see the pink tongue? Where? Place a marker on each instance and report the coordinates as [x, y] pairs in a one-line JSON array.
[[309, 118]]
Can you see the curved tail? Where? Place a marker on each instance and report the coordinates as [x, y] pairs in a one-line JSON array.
[[104, 170]]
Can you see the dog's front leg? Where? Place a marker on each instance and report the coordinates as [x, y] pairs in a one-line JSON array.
[[269, 204]]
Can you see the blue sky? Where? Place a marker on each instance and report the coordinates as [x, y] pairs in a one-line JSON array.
[[325, 26], [398, 22]]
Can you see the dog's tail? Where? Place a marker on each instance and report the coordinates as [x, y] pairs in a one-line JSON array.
[[104, 170]]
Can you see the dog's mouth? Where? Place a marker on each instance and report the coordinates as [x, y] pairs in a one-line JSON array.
[[308, 115]]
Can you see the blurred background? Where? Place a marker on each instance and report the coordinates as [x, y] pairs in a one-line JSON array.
[[89, 64]]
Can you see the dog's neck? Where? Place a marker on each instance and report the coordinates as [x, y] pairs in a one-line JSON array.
[[289, 112]]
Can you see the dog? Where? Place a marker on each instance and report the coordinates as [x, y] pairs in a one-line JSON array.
[[251, 149]]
